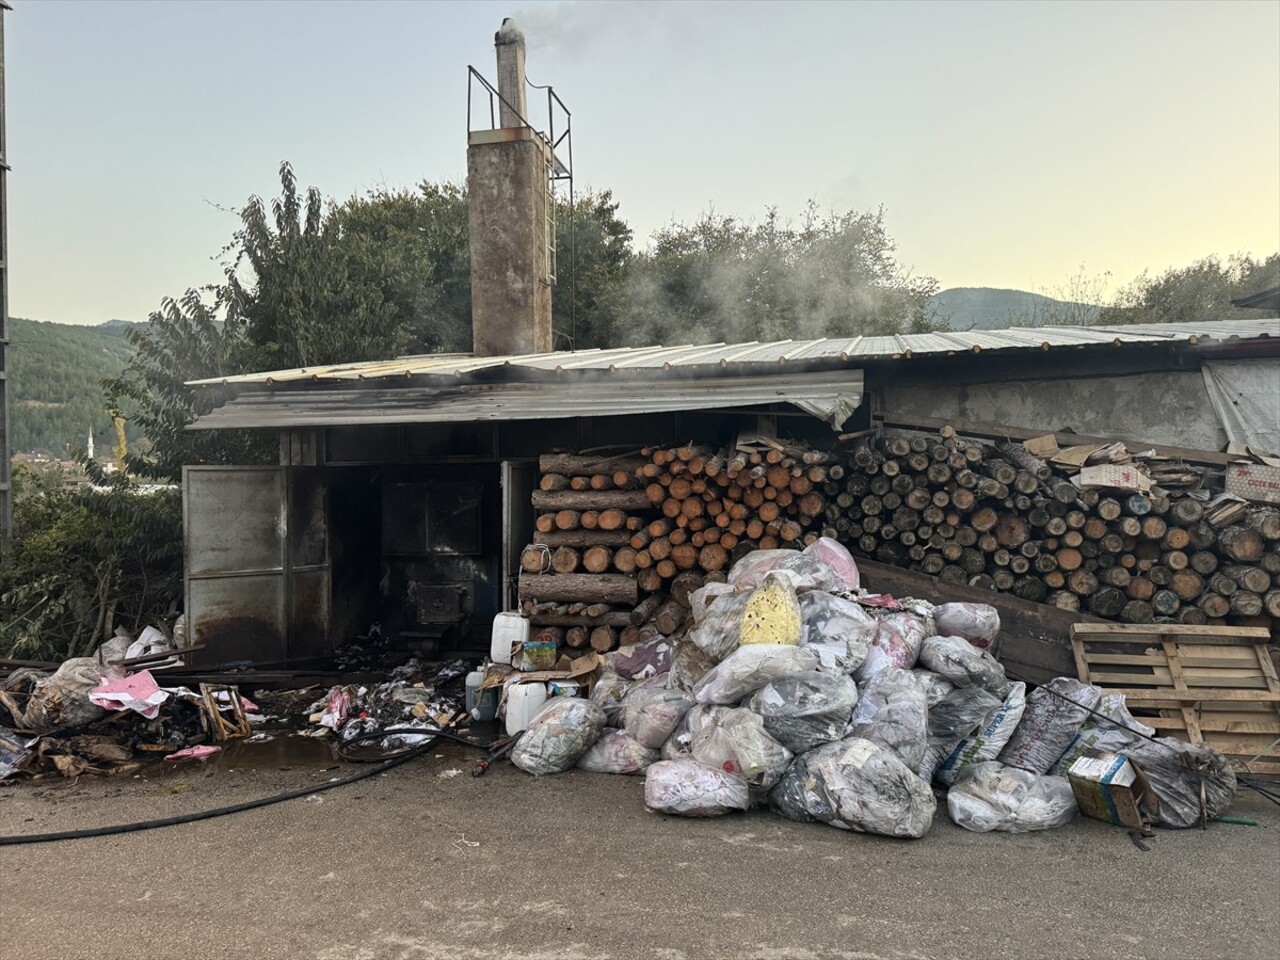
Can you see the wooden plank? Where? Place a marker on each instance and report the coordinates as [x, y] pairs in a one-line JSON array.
[[1180, 685], [1166, 679], [996, 431], [1146, 696], [1132, 633]]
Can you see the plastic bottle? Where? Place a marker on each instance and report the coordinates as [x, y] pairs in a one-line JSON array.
[[508, 630], [524, 700], [481, 704]]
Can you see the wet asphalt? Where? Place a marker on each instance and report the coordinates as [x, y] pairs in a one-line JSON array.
[[416, 864]]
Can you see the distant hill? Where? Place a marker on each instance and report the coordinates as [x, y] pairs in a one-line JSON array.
[[987, 308], [55, 371]]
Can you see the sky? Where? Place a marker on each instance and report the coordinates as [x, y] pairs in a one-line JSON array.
[[1010, 144]]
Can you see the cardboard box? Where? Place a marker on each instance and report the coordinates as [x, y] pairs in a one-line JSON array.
[[1118, 476], [1254, 481], [1108, 787]]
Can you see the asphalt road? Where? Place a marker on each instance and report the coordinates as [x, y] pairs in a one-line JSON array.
[[416, 866]]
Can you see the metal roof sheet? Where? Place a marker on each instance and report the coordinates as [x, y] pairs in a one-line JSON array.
[[744, 357], [830, 395]]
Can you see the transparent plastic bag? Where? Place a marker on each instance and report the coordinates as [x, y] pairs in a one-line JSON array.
[[687, 788], [897, 642], [855, 784], [893, 712], [1054, 715], [953, 718], [609, 692], [717, 633], [772, 614], [736, 742], [979, 623], [991, 796], [833, 555], [1176, 771], [828, 618], [963, 664], [652, 711], [748, 669], [806, 710], [689, 665], [558, 735], [935, 687], [679, 745], [639, 661], [990, 738], [618, 752], [804, 570], [701, 600]]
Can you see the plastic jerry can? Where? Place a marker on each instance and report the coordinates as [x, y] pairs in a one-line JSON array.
[[524, 700], [481, 704], [508, 630]]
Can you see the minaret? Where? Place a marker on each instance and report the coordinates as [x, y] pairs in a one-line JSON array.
[[90, 448]]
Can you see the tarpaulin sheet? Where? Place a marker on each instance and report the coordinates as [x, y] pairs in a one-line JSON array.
[[1246, 397]]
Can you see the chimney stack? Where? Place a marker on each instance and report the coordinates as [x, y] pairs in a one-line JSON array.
[[508, 190]]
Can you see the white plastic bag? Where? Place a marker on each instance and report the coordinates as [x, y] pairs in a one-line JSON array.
[[639, 661], [828, 618], [1054, 715], [855, 784], [963, 664], [897, 642], [652, 711], [687, 788], [772, 614], [1116, 734], [990, 739], [702, 599], [679, 745], [979, 623], [934, 686], [806, 710], [1180, 774], [716, 633], [991, 796], [558, 735], [803, 570], [608, 693], [833, 555], [748, 669], [617, 752], [689, 665], [735, 741], [893, 713]]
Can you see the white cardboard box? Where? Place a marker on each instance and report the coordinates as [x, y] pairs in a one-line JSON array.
[[1254, 481]]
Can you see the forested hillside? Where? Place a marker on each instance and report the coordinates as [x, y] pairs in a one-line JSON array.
[[55, 374]]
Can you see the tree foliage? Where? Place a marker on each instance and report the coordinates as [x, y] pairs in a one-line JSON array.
[[184, 340], [1198, 292], [86, 561], [723, 278]]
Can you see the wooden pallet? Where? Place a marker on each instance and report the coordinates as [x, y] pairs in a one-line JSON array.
[[1213, 685]]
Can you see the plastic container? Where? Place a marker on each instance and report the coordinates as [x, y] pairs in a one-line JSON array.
[[508, 630], [524, 700], [481, 704]]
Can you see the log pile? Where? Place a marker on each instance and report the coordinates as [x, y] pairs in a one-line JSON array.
[[621, 542], [997, 517]]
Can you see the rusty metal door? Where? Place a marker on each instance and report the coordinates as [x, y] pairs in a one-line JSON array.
[[256, 551]]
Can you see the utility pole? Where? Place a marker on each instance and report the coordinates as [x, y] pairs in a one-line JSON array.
[[6, 479]]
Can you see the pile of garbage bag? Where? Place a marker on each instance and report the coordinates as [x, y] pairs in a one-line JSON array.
[[797, 689]]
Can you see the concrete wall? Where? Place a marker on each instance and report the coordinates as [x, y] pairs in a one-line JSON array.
[[510, 298], [1170, 407]]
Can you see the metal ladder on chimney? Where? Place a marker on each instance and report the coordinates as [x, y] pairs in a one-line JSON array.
[[550, 209]]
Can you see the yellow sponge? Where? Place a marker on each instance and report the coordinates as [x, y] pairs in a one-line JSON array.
[[772, 614]]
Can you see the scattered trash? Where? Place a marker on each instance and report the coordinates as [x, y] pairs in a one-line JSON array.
[[448, 774], [200, 752]]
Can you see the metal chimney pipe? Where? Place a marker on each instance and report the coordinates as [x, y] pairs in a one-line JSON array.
[[509, 42]]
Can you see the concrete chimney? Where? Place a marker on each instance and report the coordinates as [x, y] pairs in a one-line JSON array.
[[508, 193]]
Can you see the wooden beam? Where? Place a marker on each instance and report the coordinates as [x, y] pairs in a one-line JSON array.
[[995, 431]]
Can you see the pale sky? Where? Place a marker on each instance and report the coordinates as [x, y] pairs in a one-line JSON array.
[[1009, 143]]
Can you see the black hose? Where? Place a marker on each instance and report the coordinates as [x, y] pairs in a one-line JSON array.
[[382, 767]]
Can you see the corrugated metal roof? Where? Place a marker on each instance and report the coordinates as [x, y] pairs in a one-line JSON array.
[[748, 355], [830, 395]]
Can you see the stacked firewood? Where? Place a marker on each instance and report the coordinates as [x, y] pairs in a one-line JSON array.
[[999, 518], [621, 542]]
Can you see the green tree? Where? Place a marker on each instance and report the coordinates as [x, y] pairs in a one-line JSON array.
[[1198, 292], [723, 278], [184, 340], [593, 248]]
